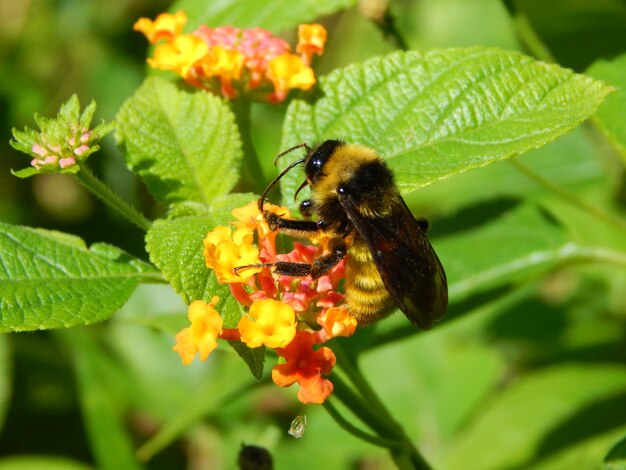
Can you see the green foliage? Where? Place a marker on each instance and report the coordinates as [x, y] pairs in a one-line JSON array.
[[52, 280], [524, 371], [443, 112], [180, 158], [610, 114]]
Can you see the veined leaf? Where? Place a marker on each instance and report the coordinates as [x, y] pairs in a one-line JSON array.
[[436, 114], [52, 280], [185, 145], [175, 246], [257, 13]]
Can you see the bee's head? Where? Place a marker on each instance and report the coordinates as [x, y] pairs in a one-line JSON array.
[[317, 158]]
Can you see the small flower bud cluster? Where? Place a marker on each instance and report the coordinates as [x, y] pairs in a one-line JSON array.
[[61, 143]]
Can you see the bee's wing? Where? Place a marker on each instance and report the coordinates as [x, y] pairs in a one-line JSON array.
[[406, 261]]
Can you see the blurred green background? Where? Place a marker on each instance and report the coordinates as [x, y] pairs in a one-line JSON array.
[[530, 377]]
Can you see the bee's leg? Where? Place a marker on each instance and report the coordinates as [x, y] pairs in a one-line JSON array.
[[319, 267], [296, 228]]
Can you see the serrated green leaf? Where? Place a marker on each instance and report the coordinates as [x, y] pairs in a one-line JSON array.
[[436, 114], [611, 116], [185, 145], [175, 247], [275, 16], [253, 357], [52, 280]]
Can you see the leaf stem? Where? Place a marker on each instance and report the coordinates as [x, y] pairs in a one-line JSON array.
[[569, 197], [102, 191], [252, 173]]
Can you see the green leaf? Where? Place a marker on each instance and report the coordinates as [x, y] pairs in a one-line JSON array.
[[523, 417], [611, 116], [185, 145], [436, 114], [518, 244], [103, 415], [175, 247], [616, 458], [257, 13], [576, 32], [6, 377], [253, 357], [52, 280], [41, 462]]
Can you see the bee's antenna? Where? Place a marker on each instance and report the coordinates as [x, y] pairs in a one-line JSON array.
[[295, 147], [300, 188], [282, 173]]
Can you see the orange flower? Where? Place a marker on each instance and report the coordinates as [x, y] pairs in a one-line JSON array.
[[269, 322], [165, 26], [224, 250], [200, 337], [336, 321], [289, 71], [306, 367], [311, 40], [179, 55]]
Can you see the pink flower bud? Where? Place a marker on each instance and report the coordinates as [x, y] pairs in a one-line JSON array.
[[39, 150], [81, 150], [65, 162]]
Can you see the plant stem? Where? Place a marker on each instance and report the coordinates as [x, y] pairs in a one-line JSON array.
[[252, 173], [373, 412], [569, 197], [102, 191], [345, 424], [530, 39]]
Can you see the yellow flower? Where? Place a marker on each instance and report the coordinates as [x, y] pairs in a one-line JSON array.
[[224, 250], [165, 26], [288, 71], [311, 40], [269, 322], [200, 337], [225, 63], [337, 322], [179, 55]]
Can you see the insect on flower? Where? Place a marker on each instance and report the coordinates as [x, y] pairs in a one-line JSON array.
[[357, 205]]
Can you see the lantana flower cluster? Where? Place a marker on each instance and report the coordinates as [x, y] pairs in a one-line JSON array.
[[62, 142], [291, 315], [232, 60]]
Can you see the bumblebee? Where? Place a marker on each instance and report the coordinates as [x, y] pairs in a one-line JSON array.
[[354, 200]]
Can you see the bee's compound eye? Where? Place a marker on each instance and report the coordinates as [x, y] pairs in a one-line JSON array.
[[341, 189]]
